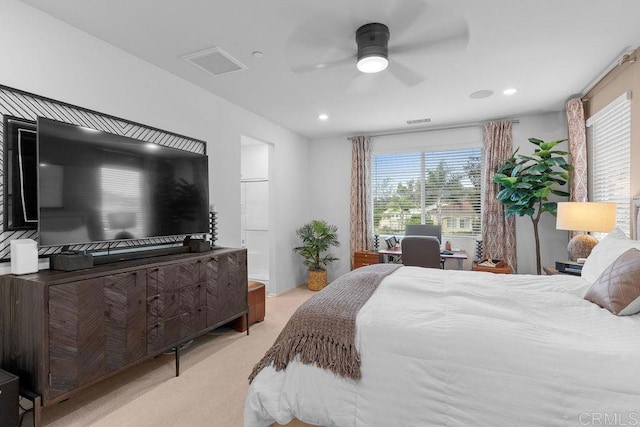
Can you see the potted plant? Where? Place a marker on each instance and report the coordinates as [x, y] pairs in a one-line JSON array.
[[317, 237], [527, 182]]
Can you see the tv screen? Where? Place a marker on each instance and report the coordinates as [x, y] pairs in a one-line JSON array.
[[95, 186]]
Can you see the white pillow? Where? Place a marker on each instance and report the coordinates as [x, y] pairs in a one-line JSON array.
[[604, 253]]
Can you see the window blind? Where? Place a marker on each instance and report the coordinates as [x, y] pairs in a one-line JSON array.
[[427, 187], [609, 138]]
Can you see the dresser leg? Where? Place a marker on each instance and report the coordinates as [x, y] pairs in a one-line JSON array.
[[178, 360]]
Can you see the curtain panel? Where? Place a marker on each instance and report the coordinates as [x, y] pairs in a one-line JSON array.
[[498, 232], [577, 151], [578, 181], [361, 218]]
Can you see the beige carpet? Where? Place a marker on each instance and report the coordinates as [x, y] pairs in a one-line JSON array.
[[210, 390]]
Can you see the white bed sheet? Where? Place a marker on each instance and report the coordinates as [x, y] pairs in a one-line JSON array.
[[460, 348]]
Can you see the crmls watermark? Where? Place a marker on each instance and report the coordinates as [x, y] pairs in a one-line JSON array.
[[609, 419]]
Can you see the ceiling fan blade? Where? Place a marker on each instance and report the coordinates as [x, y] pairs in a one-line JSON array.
[[405, 14], [311, 47], [454, 38], [318, 66], [405, 74], [362, 84]]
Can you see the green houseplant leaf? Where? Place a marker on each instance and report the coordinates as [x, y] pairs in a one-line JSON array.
[[526, 182], [317, 237]]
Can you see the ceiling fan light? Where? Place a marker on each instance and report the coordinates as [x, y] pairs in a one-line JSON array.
[[372, 64], [372, 40]]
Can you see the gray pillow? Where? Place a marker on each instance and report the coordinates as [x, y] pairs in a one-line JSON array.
[[618, 287]]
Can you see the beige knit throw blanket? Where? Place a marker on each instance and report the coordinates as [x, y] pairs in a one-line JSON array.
[[322, 331]]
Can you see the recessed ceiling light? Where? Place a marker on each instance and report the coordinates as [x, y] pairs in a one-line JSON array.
[[485, 93], [152, 146], [323, 117], [257, 54], [510, 91]]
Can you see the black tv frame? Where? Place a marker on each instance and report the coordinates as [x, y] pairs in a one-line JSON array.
[[13, 179]]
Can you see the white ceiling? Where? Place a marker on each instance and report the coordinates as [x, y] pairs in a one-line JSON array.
[[547, 49]]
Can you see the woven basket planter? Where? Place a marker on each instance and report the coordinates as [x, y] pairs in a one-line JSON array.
[[317, 280]]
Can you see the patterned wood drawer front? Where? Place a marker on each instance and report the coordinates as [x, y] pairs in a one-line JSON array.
[[360, 259], [226, 287], [95, 326], [175, 276], [170, 304], [176, 329]]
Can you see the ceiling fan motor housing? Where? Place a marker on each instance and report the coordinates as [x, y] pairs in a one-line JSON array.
[[372, 40]]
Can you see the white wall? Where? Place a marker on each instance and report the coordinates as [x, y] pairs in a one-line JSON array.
[[330, 170], [45, 56]]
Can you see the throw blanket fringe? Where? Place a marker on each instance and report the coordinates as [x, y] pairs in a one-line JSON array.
[[322, 331]]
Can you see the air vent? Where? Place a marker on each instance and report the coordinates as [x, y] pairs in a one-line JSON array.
[[418, 121], [214, 61]]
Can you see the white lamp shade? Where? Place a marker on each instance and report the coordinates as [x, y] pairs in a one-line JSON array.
[[586, 216]]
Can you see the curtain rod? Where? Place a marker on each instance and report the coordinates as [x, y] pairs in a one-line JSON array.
[[432, 129], [627, 55]]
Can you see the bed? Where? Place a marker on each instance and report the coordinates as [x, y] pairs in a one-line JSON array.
[[462, 348]]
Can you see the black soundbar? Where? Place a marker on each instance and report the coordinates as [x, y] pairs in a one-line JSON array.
[[128, 256], [76, 260]]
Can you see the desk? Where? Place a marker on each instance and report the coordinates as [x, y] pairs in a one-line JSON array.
[[460, 256]]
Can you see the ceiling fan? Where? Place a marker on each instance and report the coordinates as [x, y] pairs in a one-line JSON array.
[[413, 31]]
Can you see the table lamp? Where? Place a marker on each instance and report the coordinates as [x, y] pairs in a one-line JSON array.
[[585, 217]]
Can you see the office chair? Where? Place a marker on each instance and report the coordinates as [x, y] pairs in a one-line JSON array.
[[421, 251], [424, 230]]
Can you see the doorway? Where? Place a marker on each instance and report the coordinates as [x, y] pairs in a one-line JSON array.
[[254, 187]]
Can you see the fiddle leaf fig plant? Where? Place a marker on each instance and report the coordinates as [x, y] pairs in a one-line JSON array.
[[526, 182]]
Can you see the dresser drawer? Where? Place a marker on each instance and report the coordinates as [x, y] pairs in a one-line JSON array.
[[360, 259]]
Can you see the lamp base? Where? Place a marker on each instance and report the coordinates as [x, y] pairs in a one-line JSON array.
[[580, 246]]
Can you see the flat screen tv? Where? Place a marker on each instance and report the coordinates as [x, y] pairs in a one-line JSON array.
[[95, 186]]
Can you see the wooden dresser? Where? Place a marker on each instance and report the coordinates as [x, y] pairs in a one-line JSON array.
[[362, 258], [63, 331]]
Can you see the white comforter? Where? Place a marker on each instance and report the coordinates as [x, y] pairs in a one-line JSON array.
[[460, 348]]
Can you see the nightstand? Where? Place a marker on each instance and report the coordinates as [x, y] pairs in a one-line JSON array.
[[362, 258], [500, 268], [552, 270]]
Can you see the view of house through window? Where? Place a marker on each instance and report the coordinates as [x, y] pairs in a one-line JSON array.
[[438, 187]]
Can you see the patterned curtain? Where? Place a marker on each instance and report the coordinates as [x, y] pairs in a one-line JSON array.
[[498, 232], [361, 227], [577, 153]]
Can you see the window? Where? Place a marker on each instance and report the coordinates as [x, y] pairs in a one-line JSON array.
[[609, 138], [122, 205], [427, 188]]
